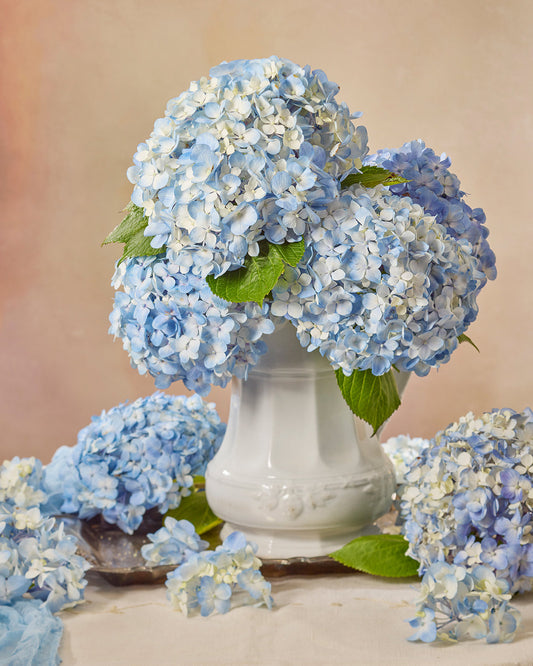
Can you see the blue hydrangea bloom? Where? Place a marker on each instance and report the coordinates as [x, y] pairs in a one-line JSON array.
[[218, 580], [176, 329], [135, 457], [457, 603], [466, 504], [248, 153], [29, 634], [173, 543], [37, 559], [382, 283], [432, 185]]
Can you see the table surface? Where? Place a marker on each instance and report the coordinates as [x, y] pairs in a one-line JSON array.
[[326, 620]]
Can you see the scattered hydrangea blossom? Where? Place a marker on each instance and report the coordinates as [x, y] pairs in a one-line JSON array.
[[135, 457], [216, 581], [37, 559], [457, 603], [173, 543], [467, 502]]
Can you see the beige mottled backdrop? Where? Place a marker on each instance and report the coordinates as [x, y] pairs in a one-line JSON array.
[[83, 82]]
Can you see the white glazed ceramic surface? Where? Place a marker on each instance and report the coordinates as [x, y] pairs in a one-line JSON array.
[[296, 472]]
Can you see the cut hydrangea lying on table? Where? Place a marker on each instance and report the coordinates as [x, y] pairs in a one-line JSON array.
[[467, 508], [136, 457]]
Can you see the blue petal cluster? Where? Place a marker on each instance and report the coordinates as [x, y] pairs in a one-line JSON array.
[[36, 558], [29, 634], [457, 603], [135, 457], [248, 153], [173, 543], [467, 499], [176, 329], [403, 451], [432, 185], [382, 283], [216, 581]]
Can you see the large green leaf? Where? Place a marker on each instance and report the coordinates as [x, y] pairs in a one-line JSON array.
[[197, 511], [370, 176], [370, 397], [259, 275], [379, 555]]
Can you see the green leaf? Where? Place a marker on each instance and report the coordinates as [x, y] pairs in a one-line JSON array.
[[370, 397], [131, 232], [379, 555], [290, 253], [464, 338], [371, 176], [134, 221], [196, 510], [138, 245], [259, 275]]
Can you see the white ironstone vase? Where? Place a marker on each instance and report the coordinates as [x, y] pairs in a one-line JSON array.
[[296, 472]]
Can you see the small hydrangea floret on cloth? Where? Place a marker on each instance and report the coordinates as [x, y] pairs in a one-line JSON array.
[[260, 155], [173, 543], [218, 580], [135, 457], [467, 502], [37, 559]]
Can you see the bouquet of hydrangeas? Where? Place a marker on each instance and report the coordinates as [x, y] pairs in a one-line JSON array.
[[255, 201]]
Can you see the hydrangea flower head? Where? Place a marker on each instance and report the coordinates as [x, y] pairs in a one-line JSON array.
[[457, 603], [382, 283], [248, 153], [467, 504], [217, 580], [135, 457], [37, 558], [431, 184], [173, 543], [176, 329]]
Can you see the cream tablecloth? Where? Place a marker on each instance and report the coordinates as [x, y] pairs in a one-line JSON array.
[[322, 621]]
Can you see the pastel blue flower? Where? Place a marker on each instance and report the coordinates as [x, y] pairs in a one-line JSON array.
[[175, 328], [433, 186], [249, 153], [466, 506], [29, 634], [37, 558], [216, 581], [381, 284], [458, 603], [135, 457], [173, 543]]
